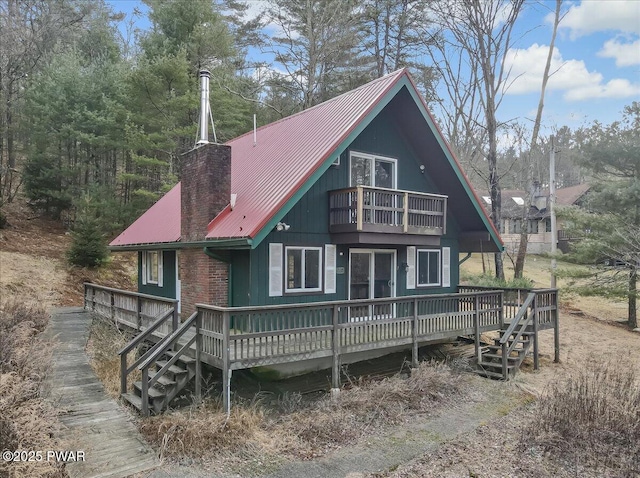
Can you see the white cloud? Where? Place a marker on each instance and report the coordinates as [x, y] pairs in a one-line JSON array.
[[593, 16], [570, 76], [625, 54]]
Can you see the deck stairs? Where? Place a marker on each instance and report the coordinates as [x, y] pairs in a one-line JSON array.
[[502, 359], [166, 368], [167, 386]]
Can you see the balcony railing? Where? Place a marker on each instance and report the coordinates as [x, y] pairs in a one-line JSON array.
[[367, 209]]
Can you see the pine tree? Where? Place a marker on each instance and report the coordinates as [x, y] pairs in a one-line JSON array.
[[89, 246]]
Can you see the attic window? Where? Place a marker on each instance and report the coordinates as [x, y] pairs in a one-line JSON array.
[[336, 162], [518, 201], [487, 199]]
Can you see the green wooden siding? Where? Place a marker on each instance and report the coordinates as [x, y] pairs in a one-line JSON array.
[[168, 288], [309, 221]]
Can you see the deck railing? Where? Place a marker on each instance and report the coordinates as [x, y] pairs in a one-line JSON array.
[[367, 209], [135, 310]]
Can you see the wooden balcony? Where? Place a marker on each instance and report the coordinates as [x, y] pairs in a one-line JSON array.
[[377, 210]]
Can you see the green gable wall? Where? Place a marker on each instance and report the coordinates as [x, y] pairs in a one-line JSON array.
[[309, 221], [168, 288]]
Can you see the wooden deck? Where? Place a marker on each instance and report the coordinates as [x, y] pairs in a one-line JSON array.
[[95, 423], [234, 338]]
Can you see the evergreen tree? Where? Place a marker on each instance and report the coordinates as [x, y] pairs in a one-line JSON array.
[[89, 246], [609, 231]]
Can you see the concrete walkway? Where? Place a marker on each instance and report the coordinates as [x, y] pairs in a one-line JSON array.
[[94, 422]]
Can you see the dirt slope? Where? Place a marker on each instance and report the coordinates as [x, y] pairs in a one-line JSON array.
[[33, 265]]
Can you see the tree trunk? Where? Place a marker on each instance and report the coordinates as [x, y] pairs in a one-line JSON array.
[[522, 252], [633, 293]]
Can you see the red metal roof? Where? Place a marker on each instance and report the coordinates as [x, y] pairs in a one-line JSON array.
[[286, 154], [159, 224], [265, 175]]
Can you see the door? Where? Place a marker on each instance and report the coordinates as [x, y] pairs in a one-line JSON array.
[[371, 276]]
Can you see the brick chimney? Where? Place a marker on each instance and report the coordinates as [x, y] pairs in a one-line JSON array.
[[206, 188], [205, 192]]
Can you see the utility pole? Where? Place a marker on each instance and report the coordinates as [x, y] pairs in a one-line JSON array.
[[552, 207]]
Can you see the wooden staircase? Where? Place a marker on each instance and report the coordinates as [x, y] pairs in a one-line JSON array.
[[166, 387], [502, 360], [166, 369]]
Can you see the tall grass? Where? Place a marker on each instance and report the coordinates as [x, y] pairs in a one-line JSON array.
[[27, 420], [592, 419], [296, 428]]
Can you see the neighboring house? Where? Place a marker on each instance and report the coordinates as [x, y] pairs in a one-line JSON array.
[[531, 211], [359, 197]]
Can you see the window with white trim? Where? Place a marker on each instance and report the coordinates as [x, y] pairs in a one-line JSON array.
[[428, 267], [152, 267], [374, 171], [303, 269]]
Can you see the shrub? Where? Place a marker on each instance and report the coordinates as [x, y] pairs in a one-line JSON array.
[[486, 280], [593, 418], [27, 420]]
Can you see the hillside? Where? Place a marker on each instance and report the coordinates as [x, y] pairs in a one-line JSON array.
[[33, 265]]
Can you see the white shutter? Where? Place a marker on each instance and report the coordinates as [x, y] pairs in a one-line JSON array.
[[446, 267], [329, 269], [411, 269], [275, 270], [160, 268], [144, 267]]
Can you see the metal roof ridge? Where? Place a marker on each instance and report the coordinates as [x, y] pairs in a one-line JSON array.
[[398, 73]]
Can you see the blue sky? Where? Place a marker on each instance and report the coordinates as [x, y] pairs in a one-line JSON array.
[[596, 61]]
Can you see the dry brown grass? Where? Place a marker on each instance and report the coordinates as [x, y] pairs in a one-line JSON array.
[[105, 341], [256, 435], [27, 420], [593, 418]]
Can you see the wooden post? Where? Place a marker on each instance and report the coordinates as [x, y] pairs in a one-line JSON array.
[[476, 326], [535, 333], [414, 335], [84, 297], [113, 305], [198, 357], [501, 309], [123, 373], [226, 371], [556, 329], [335, 369], [139, 313], [359, 206], [93, 298], [505, 361], [145, 392], [405, 213], [175, 319]]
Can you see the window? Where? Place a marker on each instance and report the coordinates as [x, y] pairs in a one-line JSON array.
[[152, 267], [428, 267], [303, 269], [374, 171], [515, 226]]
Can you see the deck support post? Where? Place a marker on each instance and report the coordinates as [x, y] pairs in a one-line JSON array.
[[335, 369], [359, 206], [93, 298], [556, 331], [536, 364], [476, 326], [501, 309], [414, 335], [145, 392], [226, 370], [123, 373], [198, 390]]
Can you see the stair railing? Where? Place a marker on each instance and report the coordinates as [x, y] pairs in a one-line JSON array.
[[137, 340], [520, 322], [158, 351]]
